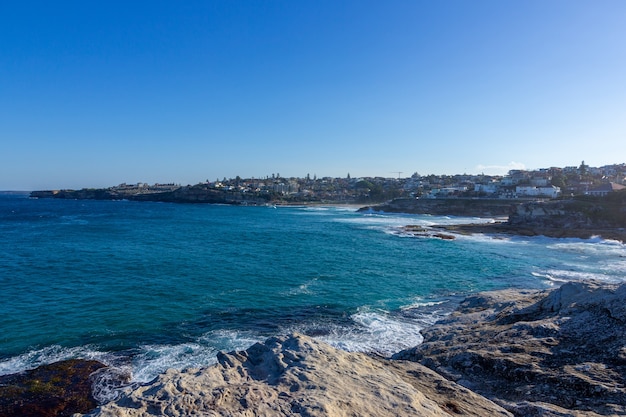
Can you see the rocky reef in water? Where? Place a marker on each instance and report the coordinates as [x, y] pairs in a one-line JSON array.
[[503, 353]]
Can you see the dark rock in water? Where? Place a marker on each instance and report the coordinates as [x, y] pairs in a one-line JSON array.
[[443, 236], [59, 389], [548, 353], [419, 231]]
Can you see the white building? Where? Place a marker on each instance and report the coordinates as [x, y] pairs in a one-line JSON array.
[[531, 191]]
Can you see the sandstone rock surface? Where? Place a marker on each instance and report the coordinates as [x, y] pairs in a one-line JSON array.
[[550, 353], [298, 376]]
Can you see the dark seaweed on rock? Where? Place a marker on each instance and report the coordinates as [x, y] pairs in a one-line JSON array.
[[59, 389]]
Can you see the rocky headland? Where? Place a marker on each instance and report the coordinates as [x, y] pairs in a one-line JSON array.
[[581, 216], [549, 353], [200, 193]]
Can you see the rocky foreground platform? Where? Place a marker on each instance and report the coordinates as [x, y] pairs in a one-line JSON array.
[[503, 353]]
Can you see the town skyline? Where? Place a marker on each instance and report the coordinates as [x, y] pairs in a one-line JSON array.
[[550, 183], [606, 173]]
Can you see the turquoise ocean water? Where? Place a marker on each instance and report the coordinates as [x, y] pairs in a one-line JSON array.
[[149, 286]]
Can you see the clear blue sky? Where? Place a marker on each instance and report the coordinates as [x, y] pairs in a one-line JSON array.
[[96, 93]]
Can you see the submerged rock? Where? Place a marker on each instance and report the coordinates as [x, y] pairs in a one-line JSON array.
[[298, 376], [420, 231], [59, 389], [548, 353]]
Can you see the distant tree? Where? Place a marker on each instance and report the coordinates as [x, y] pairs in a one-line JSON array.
[[582, 169], [559, 181], [348, 177]]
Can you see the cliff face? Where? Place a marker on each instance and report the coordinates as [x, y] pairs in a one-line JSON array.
[[578, 212], [581, 212], [446, 207]]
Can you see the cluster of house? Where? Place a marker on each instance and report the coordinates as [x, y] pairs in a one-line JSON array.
[[542, 183]]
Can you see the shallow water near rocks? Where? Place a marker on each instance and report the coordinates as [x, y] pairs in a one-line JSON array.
[[149, 286]]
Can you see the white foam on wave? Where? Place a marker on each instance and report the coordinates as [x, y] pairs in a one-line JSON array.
[[143, 366], [346, 208], [594, 247], [48, 355], [563, 275], [304, 288], [156, 359], [376, 332], [373, 331], [420, 302], [552, 278]]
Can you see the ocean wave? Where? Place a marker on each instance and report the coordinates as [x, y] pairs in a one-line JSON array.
[[50, 354], [376, 332], [594, 247], [304, 288], [339, 208], [152, 360], [559, 276]]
